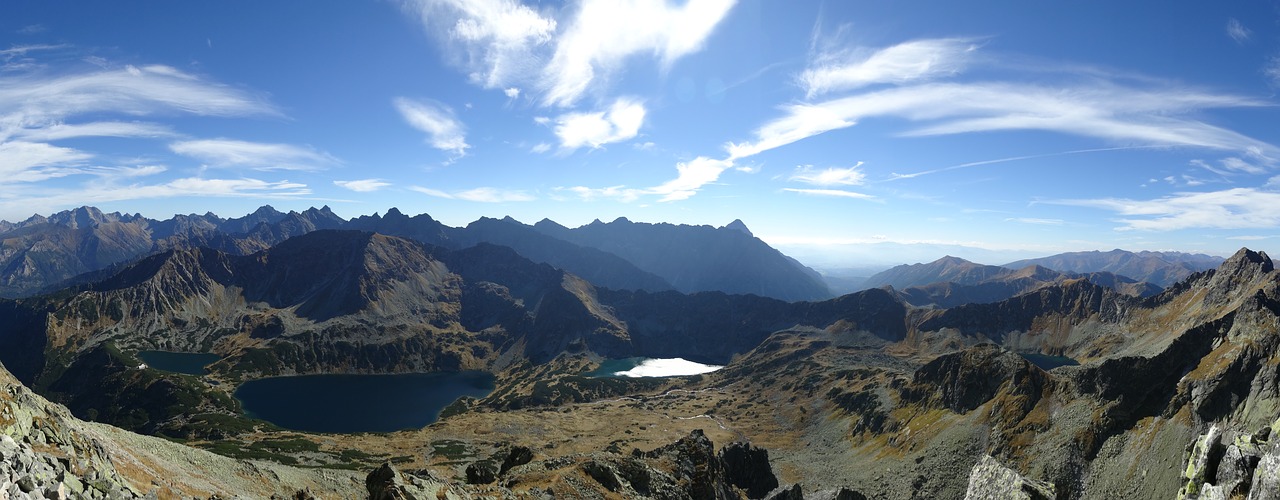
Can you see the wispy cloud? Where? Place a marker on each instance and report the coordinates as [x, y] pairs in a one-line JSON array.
[[61, 131], [134, 90], [1036, 221], [480, 195], [1237, 31], [230, 153], [540, 148], [363, 185], [32, 29], [839, 193], [620, 122], [851, 176], [903, 63], [1121, 114], [444, 131], [18, 158], [1238, 208]]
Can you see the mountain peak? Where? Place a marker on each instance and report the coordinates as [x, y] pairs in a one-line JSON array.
[[738, 225], [82, 217], [1246, 257]]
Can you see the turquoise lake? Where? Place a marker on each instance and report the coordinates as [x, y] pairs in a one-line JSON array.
[[358, 403]]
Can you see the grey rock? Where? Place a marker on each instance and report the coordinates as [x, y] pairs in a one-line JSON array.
[[989, 480]]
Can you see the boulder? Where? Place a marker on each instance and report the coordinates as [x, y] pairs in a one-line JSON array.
[[747, 467]]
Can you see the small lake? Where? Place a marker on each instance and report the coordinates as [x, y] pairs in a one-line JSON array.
[[358, 403], [650, 367], [1047, 362], [190, 363]]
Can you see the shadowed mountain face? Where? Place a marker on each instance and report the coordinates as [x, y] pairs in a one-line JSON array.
[[1160, 268], [700, 258]]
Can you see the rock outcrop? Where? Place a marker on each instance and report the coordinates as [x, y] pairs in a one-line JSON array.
[[992, 481], [1227, 464]]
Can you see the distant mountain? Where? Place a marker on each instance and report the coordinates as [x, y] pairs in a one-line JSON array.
[[47, 253], [1160, 268], [945, 270], [700, 258], [951, 281], [1013, 283]]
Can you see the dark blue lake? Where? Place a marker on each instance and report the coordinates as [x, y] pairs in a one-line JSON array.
[[1047, 362], [358, 403], [190, 363]]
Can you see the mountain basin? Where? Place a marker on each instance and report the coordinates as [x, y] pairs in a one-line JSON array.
[[650, 367], [190, 363], [358, 403], [1047, 362]]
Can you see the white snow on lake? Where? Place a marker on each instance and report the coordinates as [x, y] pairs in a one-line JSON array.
[[672, 367]]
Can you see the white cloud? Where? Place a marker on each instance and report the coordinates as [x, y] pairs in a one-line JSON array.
[[363, 185], [501, 40], [512, 92], [1237, 31], [619, 123], [902, 63], [60, 131], [1162, 117], [691, 176], [839, 193], [444, 132], [20, 157], [540, 148], [1238, 208], [605, 32], [619, 193], [851, 176], [1249, 238], [229, 153], [481, 194], [505, 43]]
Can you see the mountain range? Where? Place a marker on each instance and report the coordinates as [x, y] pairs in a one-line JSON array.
[[41, 253]]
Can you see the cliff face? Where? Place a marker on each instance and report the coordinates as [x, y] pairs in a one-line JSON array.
[[47, 453]]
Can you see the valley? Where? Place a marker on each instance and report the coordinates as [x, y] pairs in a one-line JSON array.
[[1066, 380]]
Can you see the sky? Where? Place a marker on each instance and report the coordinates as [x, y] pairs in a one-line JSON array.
[[845, 133]]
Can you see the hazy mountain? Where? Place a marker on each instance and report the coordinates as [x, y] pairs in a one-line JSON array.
[[1011, 283], [1160, 268], [945, 270], [700, 258]]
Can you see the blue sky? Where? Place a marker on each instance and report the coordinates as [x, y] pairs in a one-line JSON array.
[[845, 133]]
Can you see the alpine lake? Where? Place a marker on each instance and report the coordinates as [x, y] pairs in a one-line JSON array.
[[340, 403]]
